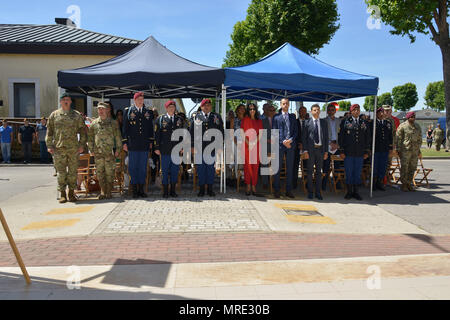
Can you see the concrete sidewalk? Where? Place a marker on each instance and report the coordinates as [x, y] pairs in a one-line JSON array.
[[401, 277]]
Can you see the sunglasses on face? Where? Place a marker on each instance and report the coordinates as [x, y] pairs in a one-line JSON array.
[[252, 109]]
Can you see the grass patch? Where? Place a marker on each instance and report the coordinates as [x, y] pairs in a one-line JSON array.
[[430, 153]]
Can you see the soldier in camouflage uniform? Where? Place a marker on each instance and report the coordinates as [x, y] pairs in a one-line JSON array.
[[438, 136], [409, 140], [64, 126], [103, 138]]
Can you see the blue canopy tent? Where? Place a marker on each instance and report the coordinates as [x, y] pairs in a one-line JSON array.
[[290, 73]]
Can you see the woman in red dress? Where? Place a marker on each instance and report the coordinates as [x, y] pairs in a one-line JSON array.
[[251, 124]]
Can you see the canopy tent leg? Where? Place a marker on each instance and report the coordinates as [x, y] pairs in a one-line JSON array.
[[374, 121], [224, 107]]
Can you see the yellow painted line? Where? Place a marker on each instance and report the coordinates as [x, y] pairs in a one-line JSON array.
[[80, 209], [310, 219], [300, 207], [51, 224]]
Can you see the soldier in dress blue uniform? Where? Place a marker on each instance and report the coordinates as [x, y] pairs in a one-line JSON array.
[[207, 120], [354, 141], [383, 146], [165, 125], [137, 141]]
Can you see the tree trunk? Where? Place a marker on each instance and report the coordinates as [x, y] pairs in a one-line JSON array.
[[445, 49]]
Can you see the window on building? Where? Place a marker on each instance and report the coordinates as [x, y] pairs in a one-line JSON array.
[[24, 100]]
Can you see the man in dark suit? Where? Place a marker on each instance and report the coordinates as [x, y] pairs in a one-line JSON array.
[[267, 120], [315, 144], [302, 118], [287, 125]]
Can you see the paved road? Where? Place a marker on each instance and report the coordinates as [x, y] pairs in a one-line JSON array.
[[19, 179]]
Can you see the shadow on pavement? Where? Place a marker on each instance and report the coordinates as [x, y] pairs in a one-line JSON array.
[[124, 273]]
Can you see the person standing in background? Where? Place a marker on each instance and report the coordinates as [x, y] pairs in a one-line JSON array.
[[430, 137], [26, 139], [6, 139], [41, 130]]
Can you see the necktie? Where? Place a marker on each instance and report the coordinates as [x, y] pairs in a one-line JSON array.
[[316, 132], [286, 120]]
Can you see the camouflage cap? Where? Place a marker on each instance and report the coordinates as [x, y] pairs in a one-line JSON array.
[[64, 95]]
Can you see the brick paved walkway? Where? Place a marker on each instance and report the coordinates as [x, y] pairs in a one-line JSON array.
[[214, 247], [183, 214]]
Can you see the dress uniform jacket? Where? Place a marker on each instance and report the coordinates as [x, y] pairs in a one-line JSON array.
[[213, 121], [164, 127], [383, 136], [354, 138], [138, 128]]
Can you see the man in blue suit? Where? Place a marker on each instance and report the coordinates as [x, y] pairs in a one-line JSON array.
[[315, 144], [286, 123]]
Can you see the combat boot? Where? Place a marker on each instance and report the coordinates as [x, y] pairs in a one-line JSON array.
[[410, 187], [355, 193], [141, 192], [404, 187], [348, 195], [108, 190], [202, 191], [135, 192], [63, 197], [379, 185], [72, 197], [102, 195], [211, 193], [172, 190], [165, 191]]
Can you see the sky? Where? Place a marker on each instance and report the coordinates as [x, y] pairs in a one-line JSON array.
[[200, 30]]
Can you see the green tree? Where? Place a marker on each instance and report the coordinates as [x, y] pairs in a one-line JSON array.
[[369, 101], [385, 99], [423, 16], [344, 105], [434, 96], [405, 96], [306, 24]]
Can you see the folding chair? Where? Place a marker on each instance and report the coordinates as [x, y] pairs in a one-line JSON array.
[[304, 172], [86, 171], [337, 171], [394, 171], [424, 172]]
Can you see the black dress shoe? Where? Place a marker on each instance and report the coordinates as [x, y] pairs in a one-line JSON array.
[[257, 194], [277, 194], [290, 195], [319, 197], [310, 196], [247, 193]]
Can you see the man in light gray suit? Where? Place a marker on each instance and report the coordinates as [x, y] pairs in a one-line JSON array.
[[315, 144], [333, 130]]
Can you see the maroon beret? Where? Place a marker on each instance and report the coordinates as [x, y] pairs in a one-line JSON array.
[[354, 106], [410, 114], [205, 101], [168, 103], [138, 94]]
